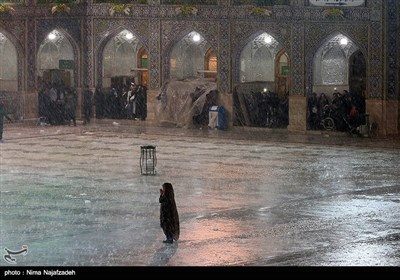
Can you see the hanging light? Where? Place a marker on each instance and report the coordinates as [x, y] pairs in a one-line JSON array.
[[52, 36], [344, 41], [268, 40], [129, 35], [196, 37]]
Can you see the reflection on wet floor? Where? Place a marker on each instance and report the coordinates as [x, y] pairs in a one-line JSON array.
[[79, 199]]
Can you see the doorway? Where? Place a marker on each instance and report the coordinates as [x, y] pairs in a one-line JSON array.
[[57, 77], [143, 73], [357, 73], [282, 73]]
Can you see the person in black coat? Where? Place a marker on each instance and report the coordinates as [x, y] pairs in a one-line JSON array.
[[169, 218], [99, 103], [4, 114]]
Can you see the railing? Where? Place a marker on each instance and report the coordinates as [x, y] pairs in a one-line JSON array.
[[122, 1], [189, 2], [260, 2], [56, 1]]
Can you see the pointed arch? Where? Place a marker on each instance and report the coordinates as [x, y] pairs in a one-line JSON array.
[[57, 46], [8, 64], [249, 50], [257, 58], [10, 56], [125, 50], [328, 63], [184, 58]]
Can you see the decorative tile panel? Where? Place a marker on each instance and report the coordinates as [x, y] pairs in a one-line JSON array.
[[375, 68], [297, 59], [299, 28], [154, 50], [224, 67], [88, 67], [31, 54], [392, 49]]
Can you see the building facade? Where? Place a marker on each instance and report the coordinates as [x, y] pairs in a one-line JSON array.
[[297, 47]]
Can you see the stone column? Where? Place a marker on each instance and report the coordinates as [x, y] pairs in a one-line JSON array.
[[297, 98], [375, 98], [154, 67], [392, 67], [224, 69], [30, 96], [88, 52], [154, 51]]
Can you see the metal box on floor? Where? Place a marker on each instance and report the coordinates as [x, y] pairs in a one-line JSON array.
[[217, 117]]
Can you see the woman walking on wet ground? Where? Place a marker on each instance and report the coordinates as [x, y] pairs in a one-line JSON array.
[[169, 218]]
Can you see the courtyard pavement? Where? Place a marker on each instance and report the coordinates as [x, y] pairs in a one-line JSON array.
[[75, 196]]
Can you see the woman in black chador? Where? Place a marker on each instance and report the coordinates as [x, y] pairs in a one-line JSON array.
[[169, 219]]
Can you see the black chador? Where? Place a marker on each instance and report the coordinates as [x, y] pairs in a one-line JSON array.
[[169, 218]]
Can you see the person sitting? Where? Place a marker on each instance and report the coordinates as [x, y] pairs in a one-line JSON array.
[[354, 117]]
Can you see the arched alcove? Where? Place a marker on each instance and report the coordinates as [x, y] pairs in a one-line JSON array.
[[339, 73], [8, 65], [282, 73], [261, 97], [188, 56], [257, 59], [122, 56], [210, 64], [55, 60], [331, 64]]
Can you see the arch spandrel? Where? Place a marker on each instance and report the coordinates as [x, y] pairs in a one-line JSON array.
[[104, 30], [71, 28], [173, 32]]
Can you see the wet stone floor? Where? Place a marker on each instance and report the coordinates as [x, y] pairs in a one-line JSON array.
[[78, 199]]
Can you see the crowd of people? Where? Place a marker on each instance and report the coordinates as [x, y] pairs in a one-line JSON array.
[[128, 102], [267, 109], [58, 103], [346, 109]]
